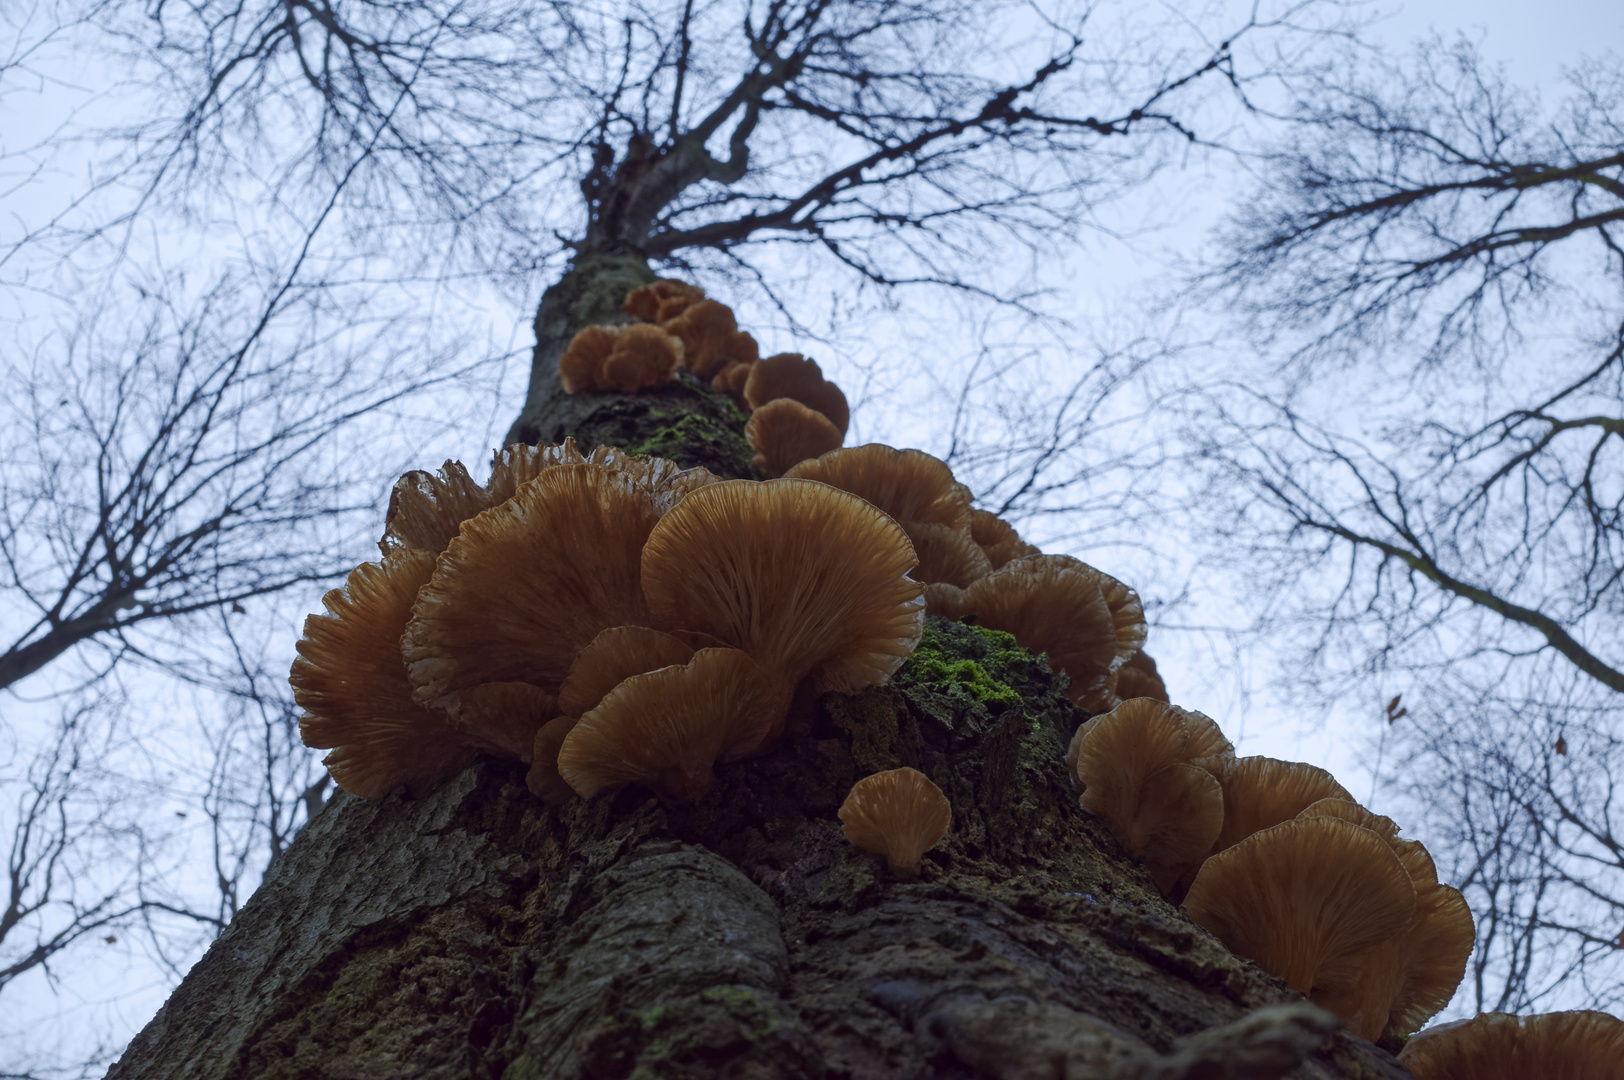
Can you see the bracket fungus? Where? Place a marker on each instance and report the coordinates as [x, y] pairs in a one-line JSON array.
[[786, 433], [620, 358], [1138, 677], [1579, 1045], [805, 578], [1088, 622], [666, 728], [999, 540], [1319, 903], [793, 376], [350, 680], [710, 337], [909, 485], [1260, 792], [1138, 768], [663, 298], [898, 813]]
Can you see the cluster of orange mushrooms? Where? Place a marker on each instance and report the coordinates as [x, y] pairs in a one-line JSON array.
[[795, 413], [614, 620]]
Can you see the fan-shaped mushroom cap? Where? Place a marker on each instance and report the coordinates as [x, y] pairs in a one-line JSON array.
[[1431, 957], [517, 464], [666, 728], [1316, 902], [643, 356], [899, 814], [803, 577], [663, 298], [543, 779], [528, 584], [1497, 1046], [730, 381], [710, 337], [579, 366], [791, 375], [1138, 677], [1088, 622], [785, 433], [909, 485], [425, 509], [350, 680], [946, 555], [1260, 792], [1135, 768], [502, 717], [613, 657], [1000, 541]]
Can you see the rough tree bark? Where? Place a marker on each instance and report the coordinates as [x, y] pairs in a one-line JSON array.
[[477, 933]]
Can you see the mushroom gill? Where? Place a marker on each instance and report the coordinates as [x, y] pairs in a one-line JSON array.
[[1261, 791], [1315, 902], [351, 683], [1579, 1045], [793, 376], [898, 813], [805, 578], [999, 540], [909, 485], [786, 433], [663, 298], [1136, 768], [666, 729]]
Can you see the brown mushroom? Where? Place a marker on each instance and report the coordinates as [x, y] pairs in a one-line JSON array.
[[1430, 958], [425, 509], [730, 381], [946, 555], [1316, 902], [665, 729], [1138, 677], [528, 584], [909, 485], [1087, 622], [543, 779], [1000, 541], [785, 433], [1135, 768], [803, 577], [502, 717], [663, 298], [350, 680], [710, 337], [1580, 1045], [791, 375], [898, 813], [1260, 792], [582, 360], [614, 656], [517, 464]]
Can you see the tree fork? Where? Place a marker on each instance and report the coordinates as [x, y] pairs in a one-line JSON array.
[[479, 933]]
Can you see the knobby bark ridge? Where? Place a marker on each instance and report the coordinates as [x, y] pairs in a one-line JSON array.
[[479, 933]]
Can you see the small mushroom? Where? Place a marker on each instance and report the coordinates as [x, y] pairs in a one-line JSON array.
[[1136, 769], [1316, 902], [1088, 622], [730, 381], [785, 433], [543, 779], [1001, 542], [805, 578], [946, 555], [351, 682], [517, 464], [666, 729], [791, 375], [579, 366], [613, 656], [898, 813], [1138, 677], [909, 485], [1579, 1045], [663, 298]]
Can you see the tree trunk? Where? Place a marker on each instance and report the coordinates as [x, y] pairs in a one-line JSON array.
[[479, 933]]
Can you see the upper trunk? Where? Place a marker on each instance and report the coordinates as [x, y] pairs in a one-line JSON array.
[[479, 933]]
